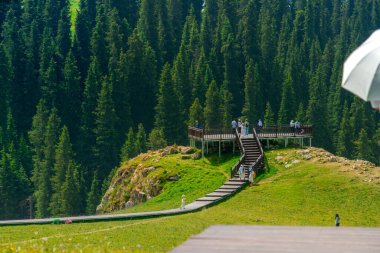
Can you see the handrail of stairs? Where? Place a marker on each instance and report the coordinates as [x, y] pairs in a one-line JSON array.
[[236, 167], [261, 157]]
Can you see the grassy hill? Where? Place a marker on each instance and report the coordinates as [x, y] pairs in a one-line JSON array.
[[302, 188]]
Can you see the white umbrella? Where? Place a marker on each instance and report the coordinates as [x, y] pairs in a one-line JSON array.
[[361, 73]]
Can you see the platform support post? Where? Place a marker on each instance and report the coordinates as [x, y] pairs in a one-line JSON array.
[[233, 147], [220, 149], [310, 142], [203, 148], [268, 143]]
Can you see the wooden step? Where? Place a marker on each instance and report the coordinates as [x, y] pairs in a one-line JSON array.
[[229, 187], [208, 199], [218, 194], [240, 183]]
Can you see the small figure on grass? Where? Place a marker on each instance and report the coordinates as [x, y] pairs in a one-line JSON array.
[[183, 202], [252, 176], [337, 220]]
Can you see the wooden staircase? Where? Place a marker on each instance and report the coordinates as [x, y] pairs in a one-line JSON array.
[[252, 154]]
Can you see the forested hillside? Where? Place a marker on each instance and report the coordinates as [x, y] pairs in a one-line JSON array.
[[78, 96]]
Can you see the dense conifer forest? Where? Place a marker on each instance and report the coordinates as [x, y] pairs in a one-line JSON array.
[[78, 96]]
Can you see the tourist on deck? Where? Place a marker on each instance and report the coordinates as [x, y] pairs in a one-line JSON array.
[[260, 124], [196, 124], [337, 220], [240, 126], [297, 125], [234, 125], [246, 127], [241, 172], [292, 126], [183, 202]]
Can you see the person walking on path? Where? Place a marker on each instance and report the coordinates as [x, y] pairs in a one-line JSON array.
[[337, 220], [183, 202], [241, 172]]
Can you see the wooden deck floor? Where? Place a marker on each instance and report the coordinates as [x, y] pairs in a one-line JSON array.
[[269, 239]]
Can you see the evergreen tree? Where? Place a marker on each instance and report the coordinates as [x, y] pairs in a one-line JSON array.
[[344, 145], [129, 149], [93, 197], [196, 113], [71, 191], [141, 145], [105, 150], [63, 157], [168, 115], [269, 116], [253, 105], [70, 98], [212, 113], [156, 139], [363, 147]]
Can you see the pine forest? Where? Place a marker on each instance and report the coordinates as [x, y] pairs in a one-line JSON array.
[[87, 84]]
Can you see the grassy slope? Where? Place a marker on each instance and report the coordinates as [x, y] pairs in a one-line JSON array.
[[306, 194], [197, 179]]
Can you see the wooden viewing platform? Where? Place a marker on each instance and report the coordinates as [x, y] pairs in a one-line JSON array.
[[278, 133]]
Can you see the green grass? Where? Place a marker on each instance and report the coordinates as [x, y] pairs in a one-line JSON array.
[[197, 178], [306, 194]]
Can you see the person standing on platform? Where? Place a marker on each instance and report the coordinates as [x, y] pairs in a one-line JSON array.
[[234, 125], [240, 127], [246, 127]]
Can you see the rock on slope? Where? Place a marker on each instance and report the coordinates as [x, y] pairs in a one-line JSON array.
[[363, 169], [142, 178]]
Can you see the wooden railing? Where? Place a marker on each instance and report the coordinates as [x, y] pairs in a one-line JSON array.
[[236, 167], [194, 132], [267, 132], [260, 161], [284, 131]]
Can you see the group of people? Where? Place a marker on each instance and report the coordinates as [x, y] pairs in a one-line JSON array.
[[295, 127], [243, 128], [252, 174]]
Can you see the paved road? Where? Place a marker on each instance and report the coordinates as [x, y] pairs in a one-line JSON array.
[[269, 239]]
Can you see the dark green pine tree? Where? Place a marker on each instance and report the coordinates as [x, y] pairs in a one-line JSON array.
[[119, 78], [287, 106], [363, 146], [70, 97], [63, 40], [24, 153], [142, 88], [203, 77], [141, 145], [71, 191], [268, 116], [42, 177], [98, 41], [14, 53], [168, 114], [345, 141], [87, 138], [226, 108], [129, 149], [376, 144], [196, 113], [105, 150], [93, 197], [253, 103], [156, 139], [63, 157], [83, 26], [212, 114], [36, 135], [5, 86]]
